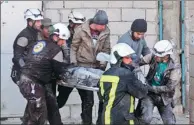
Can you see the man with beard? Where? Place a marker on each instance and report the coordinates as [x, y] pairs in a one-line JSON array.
[[43, 58], [23, 41], [135, 38]]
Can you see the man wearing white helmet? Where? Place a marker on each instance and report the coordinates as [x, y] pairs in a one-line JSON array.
[[75, 19], [163, 76], [23, 40], [44, 58], [119, 87]]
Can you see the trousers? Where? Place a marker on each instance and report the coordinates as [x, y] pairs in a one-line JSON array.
[[87, 98], [41, 103], [144, 110]]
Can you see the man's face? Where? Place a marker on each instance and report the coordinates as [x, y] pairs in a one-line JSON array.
[[61, 42], [162, 59], [45, 31], [127, 60], [138, 35], [37, 24], [158, 59], [98, 27]]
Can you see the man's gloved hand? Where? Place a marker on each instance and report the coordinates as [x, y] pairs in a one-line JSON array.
[[101, 65]]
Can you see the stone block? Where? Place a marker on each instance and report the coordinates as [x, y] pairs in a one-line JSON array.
[[132, 14], [75, 110], [53, 4], [95, 4], [145, 4], [191, 61], [123, 4], [54, 15], [151, 40], [190, 5], [178, 109], [191, 109], [73, 4], [191, 43], [151, 15], [187, 78], [191, 20], [152, 28], [113, 14], [65, 112], [119, 28], [88, 13], [191, 88], [64, 15], [113, 40], [167, 4]]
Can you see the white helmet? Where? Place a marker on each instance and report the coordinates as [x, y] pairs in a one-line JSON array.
[[122, 49], [61, 30], [163, 48], [34, 14], [76, 17]]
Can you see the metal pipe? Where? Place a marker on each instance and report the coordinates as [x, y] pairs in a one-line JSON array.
[[160, 19], [183, 54]]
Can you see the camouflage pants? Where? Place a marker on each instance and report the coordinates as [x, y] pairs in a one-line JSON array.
[[41, 103], [144, 110]]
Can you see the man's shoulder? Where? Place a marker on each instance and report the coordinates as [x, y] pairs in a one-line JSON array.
[[125, 38], [23, 33], [118, 71], [79, 28]]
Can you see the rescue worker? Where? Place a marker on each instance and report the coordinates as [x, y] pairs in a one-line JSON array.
[[75, 19], [89, 39], [163, 76], [135, 38], [44, 58], [46, 23], [119, 87], [22, 42]]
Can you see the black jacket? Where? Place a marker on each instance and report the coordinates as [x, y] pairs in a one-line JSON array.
[[40, 62], [118, 87], [21, 52]]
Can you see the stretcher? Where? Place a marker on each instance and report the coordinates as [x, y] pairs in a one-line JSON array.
[[62, 83]]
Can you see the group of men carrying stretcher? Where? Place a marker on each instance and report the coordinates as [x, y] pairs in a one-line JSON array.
[[79, 55]]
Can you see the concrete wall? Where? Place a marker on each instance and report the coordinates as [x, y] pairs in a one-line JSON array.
[[171, 31], [121, 14], [12, 22], [189, 19]]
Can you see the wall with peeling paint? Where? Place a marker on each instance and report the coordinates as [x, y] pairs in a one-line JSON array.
[[12, 22]]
